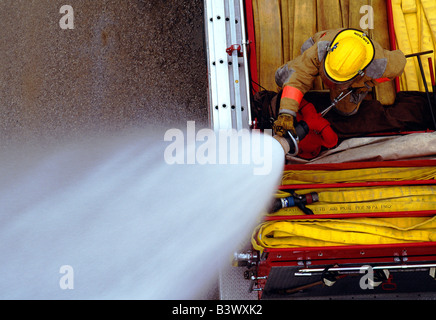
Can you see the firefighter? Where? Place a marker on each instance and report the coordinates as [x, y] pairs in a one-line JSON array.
[[345, 59]]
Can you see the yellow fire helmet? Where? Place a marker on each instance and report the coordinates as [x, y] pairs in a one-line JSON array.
[[350, 52]]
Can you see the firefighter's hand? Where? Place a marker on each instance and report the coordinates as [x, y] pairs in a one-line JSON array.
[[284, 122]]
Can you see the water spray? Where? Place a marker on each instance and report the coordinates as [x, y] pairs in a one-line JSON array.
[[108, 218]]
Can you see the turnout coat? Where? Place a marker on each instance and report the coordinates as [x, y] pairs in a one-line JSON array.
[[296, 77]]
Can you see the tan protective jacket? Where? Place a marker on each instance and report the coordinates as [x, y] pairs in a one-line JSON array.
[[297, 76]]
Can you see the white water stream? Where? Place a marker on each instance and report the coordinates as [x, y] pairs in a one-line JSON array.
[[124, 223]]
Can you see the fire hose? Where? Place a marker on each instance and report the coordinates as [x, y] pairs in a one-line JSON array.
[[340, 232]]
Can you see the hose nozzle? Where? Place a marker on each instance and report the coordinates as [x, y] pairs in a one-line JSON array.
[[295, 200], [289, 142]]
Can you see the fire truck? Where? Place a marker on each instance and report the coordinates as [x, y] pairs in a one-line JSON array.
[[314, 245]]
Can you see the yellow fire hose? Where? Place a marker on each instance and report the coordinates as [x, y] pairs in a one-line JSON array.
[[313, 231], [367, 200], [358, 175], [337, 232]]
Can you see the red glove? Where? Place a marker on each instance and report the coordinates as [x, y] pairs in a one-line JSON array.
[[320, 133]]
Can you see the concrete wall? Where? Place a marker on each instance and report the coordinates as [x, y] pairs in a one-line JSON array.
[[126, 63]]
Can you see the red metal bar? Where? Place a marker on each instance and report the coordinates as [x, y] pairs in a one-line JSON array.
[[391, 30], [249, 18], [361, 165], [357, 184], [350, 252]]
